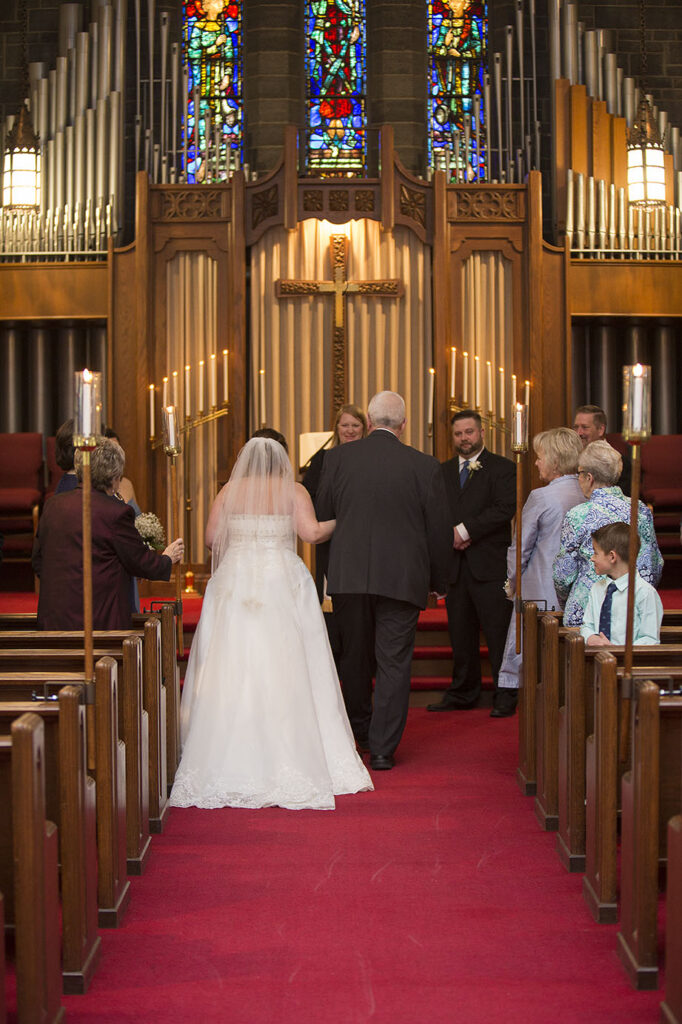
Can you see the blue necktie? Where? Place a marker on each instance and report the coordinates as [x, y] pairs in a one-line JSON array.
[[464, 473], [605, 613]]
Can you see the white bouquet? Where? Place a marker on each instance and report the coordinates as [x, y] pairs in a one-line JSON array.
[[151, 531]]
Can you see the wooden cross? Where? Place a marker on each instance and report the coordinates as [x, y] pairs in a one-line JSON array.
[[339, 287]]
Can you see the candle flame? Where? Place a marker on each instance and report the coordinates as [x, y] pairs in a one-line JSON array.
[[638, 370], [187, 366], [151, 387], [431, 370], [87, 376], [224, 351]]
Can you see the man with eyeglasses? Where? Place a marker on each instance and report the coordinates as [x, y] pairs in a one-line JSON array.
[[589, 424]]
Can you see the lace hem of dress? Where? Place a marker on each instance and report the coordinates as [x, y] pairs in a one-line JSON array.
[[293, 791]]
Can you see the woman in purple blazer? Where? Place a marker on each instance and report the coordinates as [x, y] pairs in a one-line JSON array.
[[558, 452], [118, 551]]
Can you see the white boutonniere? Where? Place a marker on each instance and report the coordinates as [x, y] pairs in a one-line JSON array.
[[475, 465]]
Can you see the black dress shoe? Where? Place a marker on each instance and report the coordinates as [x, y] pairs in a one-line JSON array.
[[502, 712], [447, 705], [381, 762]]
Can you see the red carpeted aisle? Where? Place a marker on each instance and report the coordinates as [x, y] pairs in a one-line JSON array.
[[434, 899]]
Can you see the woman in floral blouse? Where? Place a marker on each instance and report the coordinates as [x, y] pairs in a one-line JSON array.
[[599, 469]]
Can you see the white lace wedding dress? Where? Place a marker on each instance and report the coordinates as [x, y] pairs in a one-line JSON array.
[[263, 719]]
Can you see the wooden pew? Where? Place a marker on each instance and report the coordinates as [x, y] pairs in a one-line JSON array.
[[3, 1001], [651, 794], [547, 697], [603, 770], [113, 888], [671, 1007], [28, 871], [133, 721], [70, 803], [165, 612], [576, 723], [65, 651]]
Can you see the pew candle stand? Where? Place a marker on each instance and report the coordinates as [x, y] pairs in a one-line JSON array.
[[88, 407], [636, 430], [171, 448], [519, 441]]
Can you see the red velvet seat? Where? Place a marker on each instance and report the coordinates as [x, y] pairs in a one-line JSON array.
[[21, 491]]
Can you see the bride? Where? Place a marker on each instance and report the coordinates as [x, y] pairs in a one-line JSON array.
[[262, 716]]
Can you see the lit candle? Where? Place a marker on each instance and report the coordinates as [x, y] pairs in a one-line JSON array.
[[261, 374], [637, 399], [226, 387], [174, 388], [212, 381], [152, 432], [526, 392], [465, 378], [502, 402], [85, 410], [489, 378], [202, 382], [477, 382], [171, 439], [519, 434], [453, 363], [432, 391], [164, 393], [188, 393], [513, 388]]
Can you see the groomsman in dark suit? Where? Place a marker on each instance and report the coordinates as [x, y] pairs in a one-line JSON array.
[[392, 544], [481, 489]]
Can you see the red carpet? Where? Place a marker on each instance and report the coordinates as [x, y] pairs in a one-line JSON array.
[[434, 899]]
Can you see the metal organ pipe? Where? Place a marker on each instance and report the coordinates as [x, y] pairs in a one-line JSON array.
[[105, 27], [70, 19], [570, 42]]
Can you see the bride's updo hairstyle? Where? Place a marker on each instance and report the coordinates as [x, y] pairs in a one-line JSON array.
[[261, 485]]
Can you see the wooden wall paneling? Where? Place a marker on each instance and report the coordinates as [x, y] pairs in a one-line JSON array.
[[141, 366], [387, 178], [237, 419], [54, 291], [619, 154], [596, 288], [290, 177], [125, 357], [581, 158], [562, 149], [600, 140], [533, 315], [445, 333]]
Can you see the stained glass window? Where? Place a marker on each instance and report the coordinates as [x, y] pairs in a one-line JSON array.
[[458, 53], [336, 74], [212, 51]]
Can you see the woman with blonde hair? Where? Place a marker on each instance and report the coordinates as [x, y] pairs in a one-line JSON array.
[[558, 452]]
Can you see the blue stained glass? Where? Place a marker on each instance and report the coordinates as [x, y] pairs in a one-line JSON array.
[[212, 53], [336, 73], [458, 52]]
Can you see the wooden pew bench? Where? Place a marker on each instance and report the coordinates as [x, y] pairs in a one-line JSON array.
[[652, 794], [113, 888], [133, 721], [70, 803], [604, 768], [145, 737], [671, 1007], [28, 871], [526, 773], [14, 622], [576, 723]]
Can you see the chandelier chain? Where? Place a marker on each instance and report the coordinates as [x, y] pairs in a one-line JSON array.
[[642, 30]]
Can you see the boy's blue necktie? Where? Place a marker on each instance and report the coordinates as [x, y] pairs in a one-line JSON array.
[[605, 613]]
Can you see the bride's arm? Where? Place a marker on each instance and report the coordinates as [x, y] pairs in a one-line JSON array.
[[307, 526], [214, 517]]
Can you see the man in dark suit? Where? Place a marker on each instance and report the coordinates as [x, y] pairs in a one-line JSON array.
[[392, 544], [481, 489]]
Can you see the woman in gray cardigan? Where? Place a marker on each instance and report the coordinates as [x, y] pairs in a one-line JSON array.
[[558, 452]]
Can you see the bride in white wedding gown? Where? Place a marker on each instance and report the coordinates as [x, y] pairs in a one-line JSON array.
[[262, 717]]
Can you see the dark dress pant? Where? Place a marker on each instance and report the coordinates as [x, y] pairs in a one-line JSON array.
[[474, 605], [377, 636]]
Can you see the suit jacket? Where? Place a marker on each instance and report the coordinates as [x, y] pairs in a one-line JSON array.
[[392, 535], [486, 505], [118, 553], [541, 522]]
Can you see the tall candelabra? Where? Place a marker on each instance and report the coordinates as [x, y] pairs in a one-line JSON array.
[[636, 430], [519, 442]]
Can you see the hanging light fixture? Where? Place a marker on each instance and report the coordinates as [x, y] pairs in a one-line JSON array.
[[646, 165], [21, 159]]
